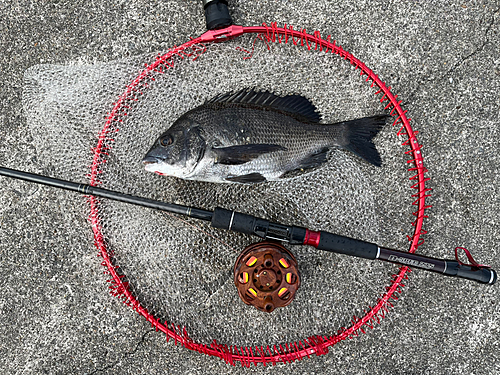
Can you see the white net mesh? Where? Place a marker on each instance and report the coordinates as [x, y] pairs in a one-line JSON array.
[[181, 270]]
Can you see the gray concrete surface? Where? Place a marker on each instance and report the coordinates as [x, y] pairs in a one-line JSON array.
[[443, 58]]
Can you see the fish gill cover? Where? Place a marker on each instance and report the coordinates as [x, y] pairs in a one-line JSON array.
[[181, 270]]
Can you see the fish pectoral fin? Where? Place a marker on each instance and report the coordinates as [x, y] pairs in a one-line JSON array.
[[251, 178], [235, 155]]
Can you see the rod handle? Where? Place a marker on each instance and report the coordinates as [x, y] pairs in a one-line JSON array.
[[248, 224]]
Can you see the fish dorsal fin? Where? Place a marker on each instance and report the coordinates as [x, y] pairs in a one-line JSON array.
[[295, 105]]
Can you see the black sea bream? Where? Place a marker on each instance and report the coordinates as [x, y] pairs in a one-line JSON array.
[[251, 136]]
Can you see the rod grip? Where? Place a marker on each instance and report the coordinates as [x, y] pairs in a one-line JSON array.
[[345, 245], [482, 275]]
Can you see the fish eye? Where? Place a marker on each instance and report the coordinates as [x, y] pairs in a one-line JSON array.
[[167, 140]]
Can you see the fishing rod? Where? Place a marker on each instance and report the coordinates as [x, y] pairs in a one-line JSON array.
[[294, 235]]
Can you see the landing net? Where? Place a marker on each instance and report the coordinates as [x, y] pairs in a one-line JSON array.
[[177, 273]]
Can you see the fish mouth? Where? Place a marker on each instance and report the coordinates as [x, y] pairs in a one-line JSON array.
[[150, 160]]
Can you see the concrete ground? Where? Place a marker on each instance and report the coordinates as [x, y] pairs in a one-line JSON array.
[[442, 58]]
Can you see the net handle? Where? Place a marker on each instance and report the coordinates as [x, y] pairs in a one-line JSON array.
[[216, 14]]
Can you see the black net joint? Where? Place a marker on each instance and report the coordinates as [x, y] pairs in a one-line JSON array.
[[217, 14]]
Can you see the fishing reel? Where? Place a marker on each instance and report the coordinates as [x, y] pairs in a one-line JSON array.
[[266, 276]]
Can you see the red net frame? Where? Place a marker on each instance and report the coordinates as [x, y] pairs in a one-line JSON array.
[[287, 352]]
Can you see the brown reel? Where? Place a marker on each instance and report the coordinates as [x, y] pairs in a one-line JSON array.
[[266, 276]]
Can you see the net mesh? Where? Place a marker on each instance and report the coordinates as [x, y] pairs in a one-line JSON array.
[[180, 270]]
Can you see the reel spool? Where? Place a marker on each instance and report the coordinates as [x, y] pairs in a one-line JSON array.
[[266, 276]]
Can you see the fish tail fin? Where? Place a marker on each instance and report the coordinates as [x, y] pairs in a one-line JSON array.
[[358, 137]]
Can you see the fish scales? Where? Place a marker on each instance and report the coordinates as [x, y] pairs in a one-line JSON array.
[[240, 125]]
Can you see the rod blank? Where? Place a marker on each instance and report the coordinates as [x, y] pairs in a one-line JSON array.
[[110, 194]]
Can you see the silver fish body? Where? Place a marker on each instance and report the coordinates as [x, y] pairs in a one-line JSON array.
[[251, 137]]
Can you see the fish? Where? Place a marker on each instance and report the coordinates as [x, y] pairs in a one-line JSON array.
[[252, 136]]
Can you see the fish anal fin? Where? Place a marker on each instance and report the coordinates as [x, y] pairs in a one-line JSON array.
[[234, 155], [314, 160], [311, 161], [251, 178]]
